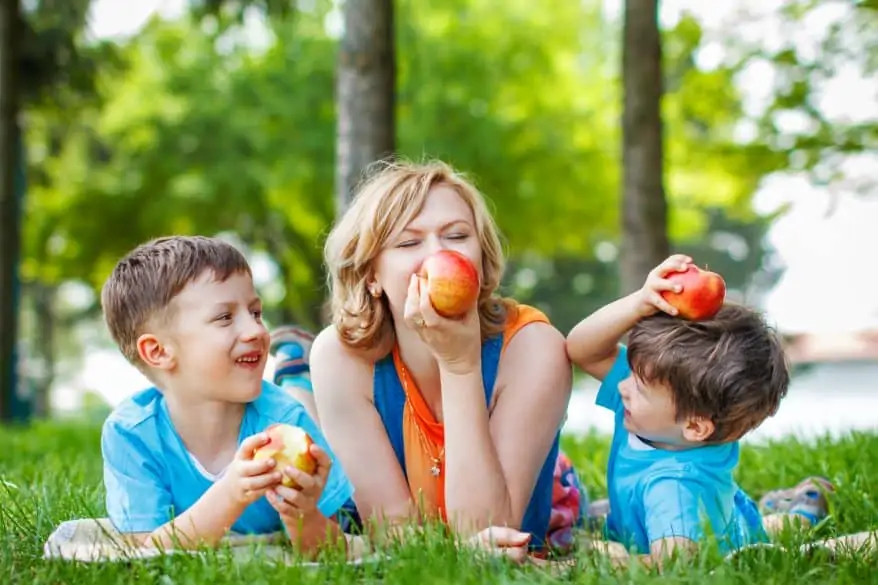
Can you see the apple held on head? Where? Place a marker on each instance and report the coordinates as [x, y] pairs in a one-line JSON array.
[[452, 283], [289, 446], [702, 296]]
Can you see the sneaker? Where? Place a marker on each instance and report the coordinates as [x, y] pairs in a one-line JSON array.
[[291, 348], [807, 499]]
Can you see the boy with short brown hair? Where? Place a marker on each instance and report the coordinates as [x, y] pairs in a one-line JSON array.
[[178, 457], [683, 393]]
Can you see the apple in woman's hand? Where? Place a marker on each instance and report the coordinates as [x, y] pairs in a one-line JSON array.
[[702, 296], [452, 282]]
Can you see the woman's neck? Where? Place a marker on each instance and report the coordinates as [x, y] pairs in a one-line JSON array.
[[422, 367]]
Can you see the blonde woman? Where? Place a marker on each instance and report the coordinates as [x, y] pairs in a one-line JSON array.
[[453, 419]]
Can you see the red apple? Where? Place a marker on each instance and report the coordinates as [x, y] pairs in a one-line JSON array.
[[289, 446], [702, 295], [452, 282]]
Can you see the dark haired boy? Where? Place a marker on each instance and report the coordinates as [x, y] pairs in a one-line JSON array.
[[684, 393]]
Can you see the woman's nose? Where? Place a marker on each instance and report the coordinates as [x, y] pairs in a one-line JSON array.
[[434, 244]]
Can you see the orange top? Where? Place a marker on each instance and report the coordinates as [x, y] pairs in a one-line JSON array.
[[424, 437]]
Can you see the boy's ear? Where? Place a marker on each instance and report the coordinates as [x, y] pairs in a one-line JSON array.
[[154, 353], [698, 429]]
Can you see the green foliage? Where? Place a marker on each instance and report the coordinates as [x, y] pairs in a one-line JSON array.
[[203, 130], [841, 48]]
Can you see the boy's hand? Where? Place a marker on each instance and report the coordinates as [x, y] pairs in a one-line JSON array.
[[293, 504], [248, 480], [651, 300]]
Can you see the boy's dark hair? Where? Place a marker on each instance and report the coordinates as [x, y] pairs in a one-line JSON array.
[[731, 369], [144, 282]]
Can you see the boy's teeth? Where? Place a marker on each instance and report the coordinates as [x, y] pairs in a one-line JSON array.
[[248, 359]]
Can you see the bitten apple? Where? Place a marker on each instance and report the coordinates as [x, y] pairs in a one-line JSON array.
[[452, 282], [289, 446], [702, 296]]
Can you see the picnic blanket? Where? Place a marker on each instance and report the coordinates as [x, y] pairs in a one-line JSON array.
[[96, 540]]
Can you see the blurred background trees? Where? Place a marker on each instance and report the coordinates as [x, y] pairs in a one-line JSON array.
[[603, 140]]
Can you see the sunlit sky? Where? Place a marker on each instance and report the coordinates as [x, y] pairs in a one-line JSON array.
[[829, 257]]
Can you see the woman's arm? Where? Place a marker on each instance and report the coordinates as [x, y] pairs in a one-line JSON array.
[[342, 383], [493, 458]]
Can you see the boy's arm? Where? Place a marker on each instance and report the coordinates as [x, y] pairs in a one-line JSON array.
[[674, 517], [204, 524], [139, 502], [593, 343], [311, 520]]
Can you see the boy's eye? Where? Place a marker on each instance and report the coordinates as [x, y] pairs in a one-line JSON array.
[[257, 313], [224, 317], [407, 244], [458, 236]]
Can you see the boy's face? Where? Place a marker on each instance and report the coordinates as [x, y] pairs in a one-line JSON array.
[[650, 412], [215, 343]]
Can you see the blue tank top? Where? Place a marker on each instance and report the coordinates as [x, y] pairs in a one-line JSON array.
[[389, 399]]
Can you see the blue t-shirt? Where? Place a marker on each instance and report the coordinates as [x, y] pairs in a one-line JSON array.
[[656, 493], [150, 477]]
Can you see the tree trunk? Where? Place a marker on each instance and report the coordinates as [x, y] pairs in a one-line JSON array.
[[644, 209], [44, 347], [365, 95], [10, 216]]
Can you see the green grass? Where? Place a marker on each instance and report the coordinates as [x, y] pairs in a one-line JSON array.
[[53, 473]]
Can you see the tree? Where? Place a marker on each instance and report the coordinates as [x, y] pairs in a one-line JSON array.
[[10, 218], [366, 129], [644, 208]]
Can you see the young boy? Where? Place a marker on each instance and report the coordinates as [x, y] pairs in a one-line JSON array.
[[683, 394], [178, 457]]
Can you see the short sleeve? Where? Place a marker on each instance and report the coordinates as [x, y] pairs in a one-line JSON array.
[[673, 507], [137, 498], [608, 394], [338, 489]]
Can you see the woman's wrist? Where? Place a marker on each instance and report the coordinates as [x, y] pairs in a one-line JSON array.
[[461, 392], [460, 368]]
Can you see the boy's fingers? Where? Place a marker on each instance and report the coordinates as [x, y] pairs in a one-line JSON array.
[[662, 304], [322, 458], [250, 444], [675, 263], [256, 467], [264, 480], [304, 480]]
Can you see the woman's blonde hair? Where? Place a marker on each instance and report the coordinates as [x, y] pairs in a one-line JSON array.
[[385, 203]]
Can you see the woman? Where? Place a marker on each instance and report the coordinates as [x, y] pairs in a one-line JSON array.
[[455, 419]]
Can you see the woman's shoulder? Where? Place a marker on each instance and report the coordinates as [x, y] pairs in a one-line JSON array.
[[519, 316], [329, 347], [337, 367]]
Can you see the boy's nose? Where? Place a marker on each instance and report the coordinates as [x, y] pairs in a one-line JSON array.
[[253, 330]]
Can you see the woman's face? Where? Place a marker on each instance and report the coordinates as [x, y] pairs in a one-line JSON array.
[[445, 222]]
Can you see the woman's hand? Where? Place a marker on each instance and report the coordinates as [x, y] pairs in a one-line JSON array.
[[456, 343]]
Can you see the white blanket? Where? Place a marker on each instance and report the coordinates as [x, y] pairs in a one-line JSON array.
[[96, 540]]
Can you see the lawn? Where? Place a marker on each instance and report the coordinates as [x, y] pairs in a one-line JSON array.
[[51, 472]]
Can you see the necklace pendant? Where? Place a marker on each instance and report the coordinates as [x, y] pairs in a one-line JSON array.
[[434, 471]]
